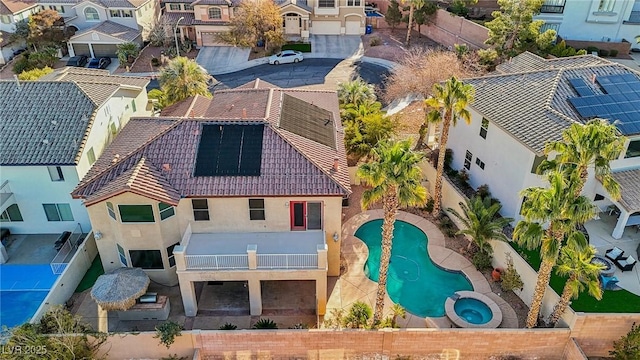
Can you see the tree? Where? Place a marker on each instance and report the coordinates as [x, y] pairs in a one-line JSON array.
[[393, 16], [557, 207], [582, 147], [367, 126], [253, 21], [46, 57], [513, 30], [127, 50], [356, 92], [35, 74], [628, 347], [182, 78], [394, 178], [481, 222], [44, 29], [423, 15], [448, 105], [576, 263], [413, 5]]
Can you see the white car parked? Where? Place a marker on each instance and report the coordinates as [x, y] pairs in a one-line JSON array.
[[286, 56]]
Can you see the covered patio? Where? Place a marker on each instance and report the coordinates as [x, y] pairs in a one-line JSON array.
[[628, 207]]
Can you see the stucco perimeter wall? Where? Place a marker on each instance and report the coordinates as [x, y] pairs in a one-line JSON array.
[[449, 29], [451, 197], [595, 333], [573, 352]]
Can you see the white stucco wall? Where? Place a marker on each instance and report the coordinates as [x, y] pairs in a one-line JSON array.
[[13, 19]]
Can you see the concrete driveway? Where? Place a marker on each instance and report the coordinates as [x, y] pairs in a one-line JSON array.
[[335, 46], [217, 59]]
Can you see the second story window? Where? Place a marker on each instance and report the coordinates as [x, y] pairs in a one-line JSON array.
[[188, 7], [114, 13], [166, 211], [256, 209], [91, 14], [634, 16], [174, 7], [467, 160], [55, 173], [326, 3], [111, 211], [91, 156], [6, 19], [553, 7], [58, 212], [200, 209], [215, 13], [136, 213], [606, 5], [353, 3], [12, 213], [483, 128]]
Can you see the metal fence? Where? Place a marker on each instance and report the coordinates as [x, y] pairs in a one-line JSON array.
[[216, 262], [287, 261]]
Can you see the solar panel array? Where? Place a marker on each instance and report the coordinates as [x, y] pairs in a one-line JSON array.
[[229, 150], [620, 101]]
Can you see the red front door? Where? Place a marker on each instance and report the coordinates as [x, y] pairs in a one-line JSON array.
[[298, 215]]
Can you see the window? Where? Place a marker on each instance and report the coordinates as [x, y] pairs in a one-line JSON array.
[[91, 156], [91, 14], [166, 211], [55, 173], [553, 6], [133, 105], [200, 209], [483, 128], [188, 7], [480, 163], [114, 13], [353, 2], [111, 211], [127, 14], [11, 214], [467, 160], [58, 8], [606, 5], [5, 19], [256, 209], [326, 3], [122, 256], [634, 16], [146, 259], [170, 256], [536, 162], [598, 197], [306, 216], [174, 6], [633, 150], [136, 213], [215, 13], [549, 26], [58, 212]]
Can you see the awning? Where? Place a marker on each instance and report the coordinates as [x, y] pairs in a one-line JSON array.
[[629, 181]]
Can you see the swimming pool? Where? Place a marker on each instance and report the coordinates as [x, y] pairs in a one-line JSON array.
[[22, 290], [413, 281]]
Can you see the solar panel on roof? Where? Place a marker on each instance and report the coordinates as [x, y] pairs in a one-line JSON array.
[[229, 150], [581, 87]]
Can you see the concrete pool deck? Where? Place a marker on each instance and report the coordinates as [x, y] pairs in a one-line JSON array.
[[353, 285]]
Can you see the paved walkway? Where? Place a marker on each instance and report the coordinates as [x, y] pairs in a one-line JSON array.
[[354, 285]]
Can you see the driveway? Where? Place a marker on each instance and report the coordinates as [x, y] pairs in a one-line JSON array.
[[335, 46], [218, 58]]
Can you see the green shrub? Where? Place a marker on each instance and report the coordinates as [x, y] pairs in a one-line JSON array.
[[510, 278], [21, 64], [155, 61], [447, 226], [35, 74], [303, 47], [483, 191], [167, 332], [591, 49], [127, 52], [265, 323], [228, 326], [481, 260], [428, 207], [613, 53], [628, 347], [463, 175], [299, 326], [375, 41], [603, 52], [581, 52], [358, 316]]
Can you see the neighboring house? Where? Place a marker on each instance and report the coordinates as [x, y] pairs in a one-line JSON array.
[[530, 103], [103, 39], [593, 20], [245, 187], [202, 19], [7, 47], [13, 11], [52, 131]]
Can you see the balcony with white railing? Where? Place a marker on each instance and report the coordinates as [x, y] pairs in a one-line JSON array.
[[6, 196], [251, 251]]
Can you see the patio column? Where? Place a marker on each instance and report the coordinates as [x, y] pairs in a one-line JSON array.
[[622, 223], [255, 297], [188, 293], [321, 295], [91, 50], [103, 320]]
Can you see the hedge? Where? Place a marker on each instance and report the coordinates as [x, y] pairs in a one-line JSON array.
[[303, 47]]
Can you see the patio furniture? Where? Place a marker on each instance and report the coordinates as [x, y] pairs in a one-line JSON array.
[[608, 270], [62, 239], [158, 310], [614, 254], [626, 264], [608, 283], [613, 210]]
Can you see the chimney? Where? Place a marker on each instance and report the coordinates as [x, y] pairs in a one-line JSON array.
[[593, 78], [115, 159], [336, 164], [244, 113]]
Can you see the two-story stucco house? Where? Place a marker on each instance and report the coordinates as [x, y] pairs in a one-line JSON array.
[[51, 133], [530, 102], [200, 20], [245, 187], [13, 11], [593, 20]]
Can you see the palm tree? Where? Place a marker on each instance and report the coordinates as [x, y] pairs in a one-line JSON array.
[[413, 5], [356, 92], [350, 111], [481, 223], [595, 144], [576, 263], [182, 78], [448, 103], [394, 178], [562, 211]]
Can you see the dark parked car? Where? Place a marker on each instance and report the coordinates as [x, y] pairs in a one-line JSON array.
[[79, 61], [19, 51], [100, 63]]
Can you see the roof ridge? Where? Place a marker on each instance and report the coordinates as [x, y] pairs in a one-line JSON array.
[[552, 92], [136, 171]]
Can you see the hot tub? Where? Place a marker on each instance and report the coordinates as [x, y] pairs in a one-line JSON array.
[[470, 309]]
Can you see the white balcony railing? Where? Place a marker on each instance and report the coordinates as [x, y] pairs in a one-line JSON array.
[[287, 261], [216, 262]]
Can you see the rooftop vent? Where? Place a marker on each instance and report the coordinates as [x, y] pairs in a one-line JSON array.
[[115, 159], [45, 141]]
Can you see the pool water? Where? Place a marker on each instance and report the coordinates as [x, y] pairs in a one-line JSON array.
[[22, 290], [413, 280], [473, 311]]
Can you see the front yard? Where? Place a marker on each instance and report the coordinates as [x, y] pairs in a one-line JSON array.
[[143, 63]]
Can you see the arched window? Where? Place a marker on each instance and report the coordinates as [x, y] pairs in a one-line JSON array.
[[91, 14], [215, 13]]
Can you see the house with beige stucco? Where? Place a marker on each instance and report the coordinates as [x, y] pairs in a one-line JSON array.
[[201, 20], [246, 187]]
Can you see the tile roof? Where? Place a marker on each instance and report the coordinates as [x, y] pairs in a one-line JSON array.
[[9, 7], [173, 17], [113, 29], [5, 38], [194, 106], [540, 97], [299, 3], [116, 3], [532, 62], [291, 164], [630, 189], [211, 2], [43, 122], [257, 84]]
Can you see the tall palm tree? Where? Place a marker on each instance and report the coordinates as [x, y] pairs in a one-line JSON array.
[[576, 263], [182, 78], [595, 144], [449, 104], [557, 207], [394, 178], [413, 6], [356, 92], [480, 221]]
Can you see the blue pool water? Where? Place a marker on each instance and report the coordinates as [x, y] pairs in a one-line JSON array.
[[472, 310], [373, 14], [22, 290], [413, 281]]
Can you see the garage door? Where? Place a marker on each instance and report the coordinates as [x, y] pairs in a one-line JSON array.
[[352, 27], [325, 27], [211, 39], [104, 50], [81, 49]]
